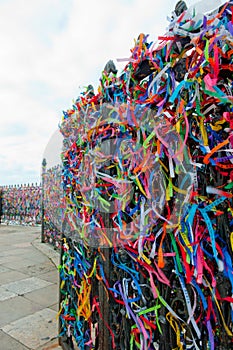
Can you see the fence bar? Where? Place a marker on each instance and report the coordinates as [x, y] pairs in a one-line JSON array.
[[44, 163], [1, 199]]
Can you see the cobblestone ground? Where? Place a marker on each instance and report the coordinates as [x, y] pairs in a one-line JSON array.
[[28, 290]]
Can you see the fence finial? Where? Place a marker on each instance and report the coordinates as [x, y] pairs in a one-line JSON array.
[[44, 163], [180, 7]]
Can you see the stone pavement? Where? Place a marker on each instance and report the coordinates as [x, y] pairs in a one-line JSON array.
[[28, 290]]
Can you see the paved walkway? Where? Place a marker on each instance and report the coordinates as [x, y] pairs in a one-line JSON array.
[[28, 290]]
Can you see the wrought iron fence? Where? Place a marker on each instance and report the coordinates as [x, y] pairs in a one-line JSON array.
[[21, 204], [33, 204], [146, 258], [51, 205]]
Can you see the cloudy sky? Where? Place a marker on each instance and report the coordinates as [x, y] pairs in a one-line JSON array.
[[49, 51]]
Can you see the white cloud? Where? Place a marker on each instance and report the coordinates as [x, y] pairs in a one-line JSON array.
[[49, 48]]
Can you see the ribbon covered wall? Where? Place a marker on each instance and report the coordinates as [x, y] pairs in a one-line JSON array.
[[21, 205], [147, 180], [52, 197]]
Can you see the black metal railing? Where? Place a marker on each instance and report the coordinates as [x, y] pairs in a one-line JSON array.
[[21, 204], [51, 206]]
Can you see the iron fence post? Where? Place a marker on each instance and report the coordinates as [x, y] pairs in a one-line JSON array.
[[1, 204], [44, 163]]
